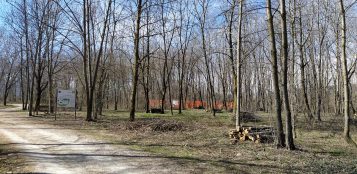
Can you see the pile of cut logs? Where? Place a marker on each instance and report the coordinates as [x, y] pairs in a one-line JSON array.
[[255, 134]]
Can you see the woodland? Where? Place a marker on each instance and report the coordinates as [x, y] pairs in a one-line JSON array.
[[292, 62]]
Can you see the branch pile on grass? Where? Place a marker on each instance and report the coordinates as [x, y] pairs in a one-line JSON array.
[[354, 119], [248, 117], [155, 125], [255, 134]]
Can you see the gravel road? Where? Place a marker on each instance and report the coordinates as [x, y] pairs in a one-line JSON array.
[[50, 149]]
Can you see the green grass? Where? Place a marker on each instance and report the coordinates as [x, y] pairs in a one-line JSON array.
[[7, 106], [204, 145]]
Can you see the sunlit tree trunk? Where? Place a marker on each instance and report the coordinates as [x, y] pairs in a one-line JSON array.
[[239, 66], [136, 61], [289, 133], [346, 131], [279, 123]]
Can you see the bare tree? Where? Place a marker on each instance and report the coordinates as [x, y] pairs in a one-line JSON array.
[[167, 35], [136, 59], [346, 131], [289, 132], [273, 53], [91, 73], [201, 10], [239, 65], [11, 73], [185, 34], [301, 43], [229, 35]]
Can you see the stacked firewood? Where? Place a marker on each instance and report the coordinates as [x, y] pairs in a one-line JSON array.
[[255, 134]]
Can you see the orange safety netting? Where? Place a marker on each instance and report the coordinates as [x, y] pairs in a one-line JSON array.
[[189, 104]]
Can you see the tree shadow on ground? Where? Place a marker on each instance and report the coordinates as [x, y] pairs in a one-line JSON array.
[[235, 166], [229, 165]]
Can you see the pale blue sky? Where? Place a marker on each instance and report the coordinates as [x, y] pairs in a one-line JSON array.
[[4, 7]]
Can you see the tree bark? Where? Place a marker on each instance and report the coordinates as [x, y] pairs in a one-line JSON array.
[[346, 131], [230, 19], [90, 82], [239, 66], [136, 61], [147, 79], [289, 133], [302, 68], [279, 123]]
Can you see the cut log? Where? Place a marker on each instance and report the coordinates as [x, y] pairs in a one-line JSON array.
[[246, 132], [252, 138], [254, 134], [243, 138]]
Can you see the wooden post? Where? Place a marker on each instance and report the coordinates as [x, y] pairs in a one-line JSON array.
[[56, 104], [75, 105]]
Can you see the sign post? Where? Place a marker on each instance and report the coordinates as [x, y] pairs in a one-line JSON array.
[[75, 107], [56, 104], [66, 99]]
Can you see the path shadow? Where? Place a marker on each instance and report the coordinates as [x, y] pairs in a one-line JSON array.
[[232, 166]]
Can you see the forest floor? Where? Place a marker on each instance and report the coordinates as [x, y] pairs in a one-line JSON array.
[[196, 142]]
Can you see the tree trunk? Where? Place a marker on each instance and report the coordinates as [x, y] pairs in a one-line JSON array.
[[294, 103], [239, 66], [184, 39], [115, 99], [231, 54], [346, 131], [289, 133], [147, 79], [136, 61], [85, 62], [280, 132], [302, 69], [28, 57], [90, 82]]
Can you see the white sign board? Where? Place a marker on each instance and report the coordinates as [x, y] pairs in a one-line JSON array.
[[175, 102], [66, 98]]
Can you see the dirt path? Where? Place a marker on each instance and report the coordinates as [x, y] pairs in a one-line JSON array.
[[49, 149]]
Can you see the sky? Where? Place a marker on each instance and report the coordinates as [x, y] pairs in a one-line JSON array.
[[4, 7]]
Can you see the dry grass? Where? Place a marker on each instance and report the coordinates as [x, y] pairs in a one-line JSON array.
[[197, 139]]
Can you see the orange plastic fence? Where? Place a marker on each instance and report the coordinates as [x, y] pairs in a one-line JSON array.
[[189, 104]]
